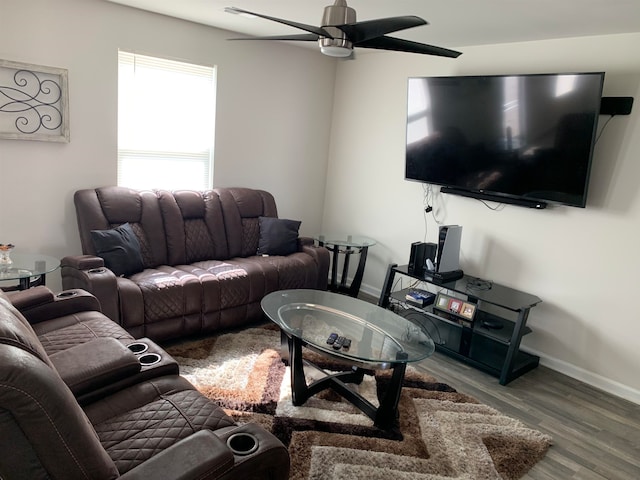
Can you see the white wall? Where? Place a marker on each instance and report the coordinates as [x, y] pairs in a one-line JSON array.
[[583, 263], [273, 114]]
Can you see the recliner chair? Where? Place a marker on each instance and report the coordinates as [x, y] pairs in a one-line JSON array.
[[159, 427]]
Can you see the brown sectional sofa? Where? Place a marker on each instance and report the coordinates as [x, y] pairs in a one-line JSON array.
[[201, 270], [77, 403]]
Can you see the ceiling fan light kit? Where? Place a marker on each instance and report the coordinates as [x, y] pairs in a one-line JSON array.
[[340, 32], [335, 50]]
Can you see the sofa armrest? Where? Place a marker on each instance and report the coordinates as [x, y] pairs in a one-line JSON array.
[[322, 258], [94, 364], [40, 304], [199, 456], [305, 242], [31, 297], [82, 262], [88, 272]]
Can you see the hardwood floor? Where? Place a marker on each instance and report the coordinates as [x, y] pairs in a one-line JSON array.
[[596, 435]]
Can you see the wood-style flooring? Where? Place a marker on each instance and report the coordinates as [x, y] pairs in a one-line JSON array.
[[596, 435]]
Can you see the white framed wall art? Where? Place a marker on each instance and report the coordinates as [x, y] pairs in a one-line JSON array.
[[34, 102]]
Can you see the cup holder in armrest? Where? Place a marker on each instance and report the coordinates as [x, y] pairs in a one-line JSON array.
[[148, 359], [98, 270], [243, 443], [67, 294], [138, 347], [153, 358], [145, 358]]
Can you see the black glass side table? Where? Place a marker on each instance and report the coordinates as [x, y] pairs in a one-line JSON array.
[[347, 245], [30, 270]]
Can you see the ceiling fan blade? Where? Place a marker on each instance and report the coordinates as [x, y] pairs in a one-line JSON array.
[[304, 37], [399, 45], [369, 29], [307, 28]]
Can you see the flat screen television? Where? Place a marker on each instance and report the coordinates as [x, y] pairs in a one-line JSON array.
[[522, 139]]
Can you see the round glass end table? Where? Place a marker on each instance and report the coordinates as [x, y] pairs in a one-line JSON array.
[[348, 245], [30, 270]]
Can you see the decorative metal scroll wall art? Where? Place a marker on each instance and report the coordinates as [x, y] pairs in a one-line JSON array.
[[34, 102]]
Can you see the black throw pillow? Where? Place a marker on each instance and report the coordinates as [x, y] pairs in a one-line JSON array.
[[119, 248], [278, 236]]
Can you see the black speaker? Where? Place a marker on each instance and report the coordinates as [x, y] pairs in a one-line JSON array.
[[417, 258], [616, 105], [420, 252]]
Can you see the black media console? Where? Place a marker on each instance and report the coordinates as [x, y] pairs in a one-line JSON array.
[[491, 341]]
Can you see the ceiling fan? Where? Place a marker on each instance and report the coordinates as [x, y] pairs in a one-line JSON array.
[[339, 32]]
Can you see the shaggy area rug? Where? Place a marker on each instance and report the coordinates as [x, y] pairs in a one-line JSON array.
[[442, 434]]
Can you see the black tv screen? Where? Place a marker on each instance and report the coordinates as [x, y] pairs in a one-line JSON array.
[[510, 136]]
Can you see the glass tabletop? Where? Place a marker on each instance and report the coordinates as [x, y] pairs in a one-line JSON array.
[[487, 291], [377, 335], [344, 240], [26, 265]]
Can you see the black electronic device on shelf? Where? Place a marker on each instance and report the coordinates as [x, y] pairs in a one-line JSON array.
[[521, 139], [421, 253], [444, 277]]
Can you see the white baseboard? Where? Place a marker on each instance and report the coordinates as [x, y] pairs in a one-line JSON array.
[[598, 381], [367, 289]]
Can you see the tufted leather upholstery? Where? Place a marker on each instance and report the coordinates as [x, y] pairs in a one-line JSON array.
[[157, 427], [139, 422], [199, 249], [65, 320]]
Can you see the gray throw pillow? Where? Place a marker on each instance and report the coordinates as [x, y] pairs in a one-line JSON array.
[[119, 248], [278, 236]]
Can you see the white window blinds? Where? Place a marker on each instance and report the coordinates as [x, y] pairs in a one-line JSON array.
[[166, 123]]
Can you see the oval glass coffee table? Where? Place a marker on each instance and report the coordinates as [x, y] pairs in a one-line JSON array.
[[380, 339]]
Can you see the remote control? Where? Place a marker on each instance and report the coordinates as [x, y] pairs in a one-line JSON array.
[[338, 343], [332, 338], [346, 344]]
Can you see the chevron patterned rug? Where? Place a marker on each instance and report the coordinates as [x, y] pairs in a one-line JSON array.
[[442, 434]]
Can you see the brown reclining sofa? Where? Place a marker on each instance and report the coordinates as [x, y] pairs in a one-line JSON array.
[[207, 258], [78, 402]]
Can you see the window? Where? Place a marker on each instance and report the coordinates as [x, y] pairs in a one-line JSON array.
[[166, 115]]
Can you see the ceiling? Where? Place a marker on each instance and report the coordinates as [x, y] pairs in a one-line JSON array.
[[452, 23]]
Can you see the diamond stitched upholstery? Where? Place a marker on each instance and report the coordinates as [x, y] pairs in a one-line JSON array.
[[236, 276], [136, 435], [199, 245], [291, 274], [250, 236], [163, 296], [143, 240], [65, 332]]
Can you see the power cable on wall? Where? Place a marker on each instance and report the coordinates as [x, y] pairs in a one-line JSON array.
[[429, 198]]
